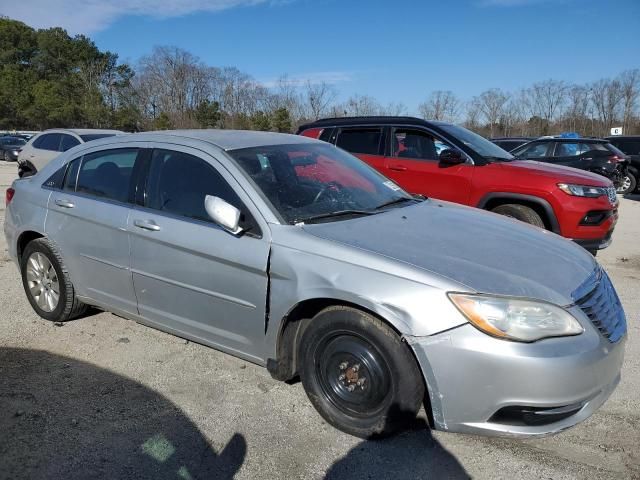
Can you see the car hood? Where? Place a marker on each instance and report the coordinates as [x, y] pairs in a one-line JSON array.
[[479, 250], [558, 173]]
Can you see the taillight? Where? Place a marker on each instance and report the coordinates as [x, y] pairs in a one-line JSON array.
[[9, 196], [614, 159]]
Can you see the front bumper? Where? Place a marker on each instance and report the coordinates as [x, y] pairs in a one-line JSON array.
[[472, 377]]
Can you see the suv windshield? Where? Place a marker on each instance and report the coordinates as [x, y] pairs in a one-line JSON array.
[[317, 182], [479, 144]]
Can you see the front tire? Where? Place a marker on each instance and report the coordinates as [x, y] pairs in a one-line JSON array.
[[47, 283], [627, 185], [358, 374], [520, 212]]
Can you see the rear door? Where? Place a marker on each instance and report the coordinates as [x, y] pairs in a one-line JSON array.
[[87, 220], [366, 143], [192, 277], [414, 164]]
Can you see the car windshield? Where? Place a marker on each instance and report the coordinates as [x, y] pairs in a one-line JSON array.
[[478, 144], [318, 182], [96, 136]]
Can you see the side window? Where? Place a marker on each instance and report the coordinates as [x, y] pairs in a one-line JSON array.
[[50, 141], [107, 174], [71, 177], [68, 142], [178, 183], [536, 150], [360, 140], [630, 147], [416, 144]]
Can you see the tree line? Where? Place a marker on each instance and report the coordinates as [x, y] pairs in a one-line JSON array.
[[51, 79]]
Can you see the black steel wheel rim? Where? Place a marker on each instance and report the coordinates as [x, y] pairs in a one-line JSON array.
[[352, 374]]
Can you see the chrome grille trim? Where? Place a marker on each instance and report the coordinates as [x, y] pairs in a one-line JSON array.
[[611, 194], [597, 298]]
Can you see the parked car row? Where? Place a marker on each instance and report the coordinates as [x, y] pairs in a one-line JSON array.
[[10, 147], [449, 162], [295, 255]]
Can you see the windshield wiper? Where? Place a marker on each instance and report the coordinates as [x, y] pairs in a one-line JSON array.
[[338, 213], [395, 201]]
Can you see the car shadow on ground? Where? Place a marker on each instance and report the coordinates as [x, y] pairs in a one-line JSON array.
[[64, 418], [414, 454]]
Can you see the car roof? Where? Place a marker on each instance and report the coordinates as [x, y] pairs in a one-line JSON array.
[[512, 138], [371, 120], [623, 137], [83, 131], [571, 140], [223, 139]]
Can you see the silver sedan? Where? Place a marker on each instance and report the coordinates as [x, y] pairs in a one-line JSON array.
[[295, 255]]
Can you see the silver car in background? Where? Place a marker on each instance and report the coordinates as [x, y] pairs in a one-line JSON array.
[[47, 145], [292, 254]]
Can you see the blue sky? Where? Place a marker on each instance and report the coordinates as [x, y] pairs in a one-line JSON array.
[[393, 50]]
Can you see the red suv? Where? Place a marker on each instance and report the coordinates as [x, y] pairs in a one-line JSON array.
[[451, 163]]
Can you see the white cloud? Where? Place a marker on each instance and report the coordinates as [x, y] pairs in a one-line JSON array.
[[87, 16], [300, 80]]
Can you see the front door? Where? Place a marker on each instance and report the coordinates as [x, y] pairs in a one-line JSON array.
[[191, 277], [414, 165], [87, 220]]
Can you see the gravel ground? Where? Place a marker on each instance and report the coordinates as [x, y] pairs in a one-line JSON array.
[[104, 397]]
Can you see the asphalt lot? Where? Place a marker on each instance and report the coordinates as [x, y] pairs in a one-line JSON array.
[[104, 397]]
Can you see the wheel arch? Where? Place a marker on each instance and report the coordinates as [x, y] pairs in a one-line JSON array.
[[23, 240], [539, 205]]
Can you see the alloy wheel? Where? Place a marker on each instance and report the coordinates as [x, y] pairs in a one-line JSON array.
[[43, 283]]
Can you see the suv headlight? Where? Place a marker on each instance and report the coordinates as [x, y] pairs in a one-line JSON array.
[[582, 190], [515, 318]]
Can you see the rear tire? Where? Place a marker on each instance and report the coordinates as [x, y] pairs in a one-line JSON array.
[[520, 212], [628, 184], [358, 374], [47, 283]]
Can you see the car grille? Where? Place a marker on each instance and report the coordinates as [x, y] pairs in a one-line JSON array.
[[599, 301], [611, 195]]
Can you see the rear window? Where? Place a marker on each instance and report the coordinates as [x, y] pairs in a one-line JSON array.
[[615, 150], [628, 146], [96, 136], [365, 141]]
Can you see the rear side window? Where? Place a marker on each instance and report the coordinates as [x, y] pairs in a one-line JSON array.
[[573, 149], [535, 150], [49, 141], [360, 140], [178, 184], [68, 142], [107, 174]]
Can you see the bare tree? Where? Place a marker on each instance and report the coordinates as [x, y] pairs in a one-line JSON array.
[[441, 105], [472, 114], [576, 112], [394, 109], [630, 84], [547, 99], [492, 104], [318, 97], [361, 105], [606, 96]]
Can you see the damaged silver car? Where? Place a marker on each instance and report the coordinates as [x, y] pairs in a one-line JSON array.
[[292, 254]]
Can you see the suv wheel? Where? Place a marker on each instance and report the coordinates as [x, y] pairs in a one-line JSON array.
[[358, 374], [520, 212], [628, 184], [47, 284]]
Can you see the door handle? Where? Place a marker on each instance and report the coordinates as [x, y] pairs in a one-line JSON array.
[[147, 225], [398, 168], [64, 203]]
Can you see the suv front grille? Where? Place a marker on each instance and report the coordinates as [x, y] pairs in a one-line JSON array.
[[599, 301], [611, 195]]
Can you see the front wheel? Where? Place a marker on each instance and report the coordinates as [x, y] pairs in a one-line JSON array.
[[628, 184], [520, 212], [358, 374]]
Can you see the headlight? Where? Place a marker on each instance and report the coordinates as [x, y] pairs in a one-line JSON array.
[[582, 190], [514, 318]]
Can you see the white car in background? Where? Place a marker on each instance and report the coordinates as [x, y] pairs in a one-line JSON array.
[[47, 145]]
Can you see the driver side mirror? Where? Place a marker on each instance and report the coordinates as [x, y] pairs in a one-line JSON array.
[[450, 157], [223, 214]]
